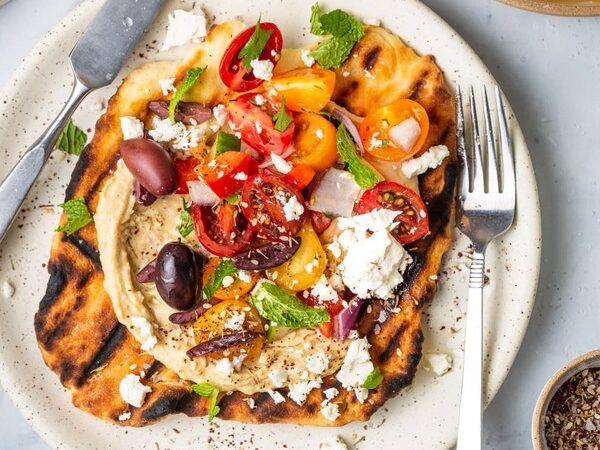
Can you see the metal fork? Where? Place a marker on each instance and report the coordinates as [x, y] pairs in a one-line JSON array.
[[486, 208]]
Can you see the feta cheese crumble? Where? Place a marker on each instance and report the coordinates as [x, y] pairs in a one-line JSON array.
[[440, 363], [280, 164], [244, 276], [224, 366], [278, 377], [306, 58], [317, 363], [406, 133], [241, 176], [235, 322], [259, 100], [250, 402], [276, 396], [8, 290], [177, 134], [333, 444], [323, 291], [131, 127], [124, 416], [184, 26], [293, 209], [220, 114], [132, 390], [227, 281], [146, 332], [375, 142], [167, 85], [357, 365], [431, 159], [299, 391], [262, 69], [330, 411]]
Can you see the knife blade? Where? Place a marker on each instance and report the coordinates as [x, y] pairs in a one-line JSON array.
[[110, 38]]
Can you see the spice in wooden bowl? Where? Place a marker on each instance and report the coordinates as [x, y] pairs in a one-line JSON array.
[[572, 420]]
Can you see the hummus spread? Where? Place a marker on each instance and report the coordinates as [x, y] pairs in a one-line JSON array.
[[129, 236]]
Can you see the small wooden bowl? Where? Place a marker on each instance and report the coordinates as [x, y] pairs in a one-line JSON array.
[[590, 360], [559, 7]]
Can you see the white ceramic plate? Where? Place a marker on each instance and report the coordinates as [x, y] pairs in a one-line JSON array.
[[423, 417]]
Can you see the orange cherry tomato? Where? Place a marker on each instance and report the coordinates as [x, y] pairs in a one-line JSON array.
[[213, 324], [235, 290], [304, 89], [314, 139], [375, 130], [300, 176]]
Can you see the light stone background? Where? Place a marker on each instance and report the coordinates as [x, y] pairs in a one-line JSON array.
[[549, 68]]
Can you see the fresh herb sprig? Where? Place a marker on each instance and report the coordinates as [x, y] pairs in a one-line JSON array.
[[208, 390], [191, 78], [78, 215], [363, 174], [72, 139], [187, 225], [255, 45], [282, 119], [224, 269]]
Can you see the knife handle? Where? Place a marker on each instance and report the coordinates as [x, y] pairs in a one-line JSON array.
[[19, 181]]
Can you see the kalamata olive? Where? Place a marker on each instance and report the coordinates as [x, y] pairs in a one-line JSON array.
[[221, 343], [142, 196], [150, 164], [177, 275], [147, 273], [190, 113], [267, 256]]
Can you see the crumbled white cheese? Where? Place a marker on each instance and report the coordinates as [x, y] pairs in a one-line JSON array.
[[353, 334], [146, 332], [345, 73], [431, 159], [250, 402], [278, 376], [375, 141], [236, 321], [125, 416], [276, 396], [131, 127], [167, 85], [293, 209], [240, 176], [8, 290], [330, 393], [357, 364], [335, 249], [259, 100], [244, 276], [406, 133], [361, 394], [262, 69], [227, 281], [323, 291], [317, 363], [280, 164], [330, 411], [440, 363], [319, 133], [258, 127], [299, 391], [220, 114], [184, 26], [372, 21], [238, 360], [333, 444], [306, 58], [311, 266], [374, 260], [177, 134], [224, 366], [132, 390]]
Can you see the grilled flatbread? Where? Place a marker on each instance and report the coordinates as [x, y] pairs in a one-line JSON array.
[[77, 330]]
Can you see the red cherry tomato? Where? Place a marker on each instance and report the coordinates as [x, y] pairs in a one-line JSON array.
[[320, 222], [232, 69], [300, 176], [223, 173], [256, 124], [413, 218], [333, 307], [222, 230], [185, 172], [264, 197]]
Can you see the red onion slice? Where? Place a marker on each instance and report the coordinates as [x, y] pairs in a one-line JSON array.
[[345, 320], [340, 114], [335, 194], [201, 193], [222, 343]]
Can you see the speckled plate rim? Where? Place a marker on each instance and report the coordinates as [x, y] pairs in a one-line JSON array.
[[556, 8], [586, 361], [17, 392]]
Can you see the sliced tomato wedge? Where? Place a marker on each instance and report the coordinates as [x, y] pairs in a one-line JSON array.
[[413, 218], [300, 176], [319, 221], [222, 229], [232, 70], [333, 307], [185, 171], [264, 200], [255, 122], [227, 172], [304, 89]]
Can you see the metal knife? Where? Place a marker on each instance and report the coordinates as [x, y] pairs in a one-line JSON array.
[[96, 60]]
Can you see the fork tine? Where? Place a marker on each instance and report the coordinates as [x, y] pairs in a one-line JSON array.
[[506, 151], [478, 175], [460, 144], [492, 167]]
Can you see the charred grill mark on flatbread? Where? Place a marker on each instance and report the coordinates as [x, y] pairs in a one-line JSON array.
[[173, 401], [392, 344], [392, 386], [108, 347], [154, 368], [85, 248], [56, 283], [370, 58], [415, 91], [84, 162]]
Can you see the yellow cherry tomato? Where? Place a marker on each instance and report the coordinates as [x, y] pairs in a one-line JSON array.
[[314, 139], [212, 324], [375, 130], [305, 267], [304, 89], [235, 290]]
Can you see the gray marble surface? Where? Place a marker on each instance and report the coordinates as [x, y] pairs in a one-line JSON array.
[[549, 68]]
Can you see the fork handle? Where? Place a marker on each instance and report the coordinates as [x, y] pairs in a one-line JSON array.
[[471, 398]]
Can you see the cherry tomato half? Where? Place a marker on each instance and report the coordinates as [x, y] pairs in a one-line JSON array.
[[300, 176], [314, 139], [255, 122], [222, 174], [376, 130], [233, 291], [333, 307], [222, 229], [232, 69], [304, 89], [320, 222], [413, 218], [266, 201], [185, 171]]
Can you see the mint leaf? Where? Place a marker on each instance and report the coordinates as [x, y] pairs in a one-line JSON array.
[[255, 45], [225, 142], [233, 199], [315, 20], [78, 215], [363, 174], [277, 305], [282, 119], [191, 77], [72, 139], [332, 52], [224, 269], [342, 25], [187, 225], [203, 389], [208, 390], [374, 379]]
